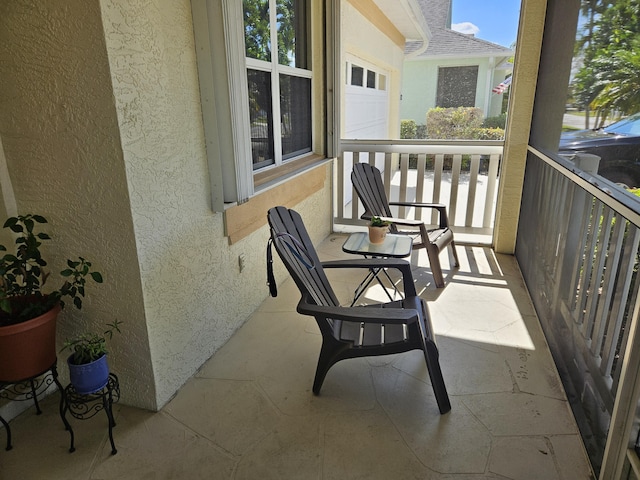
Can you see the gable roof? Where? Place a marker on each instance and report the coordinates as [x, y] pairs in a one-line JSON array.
[[446, 42]]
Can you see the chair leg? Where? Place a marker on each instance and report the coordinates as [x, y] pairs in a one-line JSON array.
[[435, 374], [452, 245], [436, 269], [329, 355]]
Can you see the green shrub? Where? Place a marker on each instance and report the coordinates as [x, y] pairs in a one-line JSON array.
[[486, 134], [495, 122], [408, 129], [453, 123]]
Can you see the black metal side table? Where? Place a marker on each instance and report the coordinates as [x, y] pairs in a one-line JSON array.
[[29, 389], [83, 407], [393, 246]]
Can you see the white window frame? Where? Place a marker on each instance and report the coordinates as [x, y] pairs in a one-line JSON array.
[[222, 71], [275, 70]]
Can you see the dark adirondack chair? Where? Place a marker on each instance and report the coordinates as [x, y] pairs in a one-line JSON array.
[[359, 331], [367, 182]]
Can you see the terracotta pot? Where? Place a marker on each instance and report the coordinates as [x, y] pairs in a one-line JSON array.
[[377, 234], [28, 348], [90, 377]]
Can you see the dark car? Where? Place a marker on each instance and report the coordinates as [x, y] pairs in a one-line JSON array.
[[617, 145]]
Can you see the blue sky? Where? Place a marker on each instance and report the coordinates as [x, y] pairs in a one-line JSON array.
[[492, 20]]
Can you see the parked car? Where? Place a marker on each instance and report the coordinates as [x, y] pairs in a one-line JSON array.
[[617, 145]]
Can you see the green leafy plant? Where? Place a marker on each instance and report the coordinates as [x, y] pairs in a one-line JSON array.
[[89, 347], [24, 275], [378, 222]]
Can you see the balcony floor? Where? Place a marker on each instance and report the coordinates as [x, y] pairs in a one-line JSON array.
[[249, 413]]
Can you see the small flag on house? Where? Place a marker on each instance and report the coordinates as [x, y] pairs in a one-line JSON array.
[[502, 87]]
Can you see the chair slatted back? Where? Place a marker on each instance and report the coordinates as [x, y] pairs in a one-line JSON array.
[[367, 180], [299, 256]]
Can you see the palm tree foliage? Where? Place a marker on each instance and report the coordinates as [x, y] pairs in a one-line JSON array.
[[609, 78]]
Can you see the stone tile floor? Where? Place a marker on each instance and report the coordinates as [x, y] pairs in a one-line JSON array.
[[250, 414]]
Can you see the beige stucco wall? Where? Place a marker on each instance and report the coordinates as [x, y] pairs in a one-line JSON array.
[[62, 146], [102, 129], [194, 295], [362, 39]]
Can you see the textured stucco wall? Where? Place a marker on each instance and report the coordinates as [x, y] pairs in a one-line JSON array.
[[361, 39], [102, 130], [194, 295], [62, 146]]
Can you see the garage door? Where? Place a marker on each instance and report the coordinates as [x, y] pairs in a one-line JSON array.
[[366, 113]]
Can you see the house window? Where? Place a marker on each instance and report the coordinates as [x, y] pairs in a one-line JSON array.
[[357, 75], [371, 79], [382, 82], [278, 79], [457, 86], [262, 109]]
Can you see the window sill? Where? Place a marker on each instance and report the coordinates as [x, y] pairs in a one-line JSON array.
[[288, 188], [272, 176]]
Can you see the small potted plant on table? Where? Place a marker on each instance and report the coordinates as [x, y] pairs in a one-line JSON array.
[[378, 229], [88, 367], [27, 312]]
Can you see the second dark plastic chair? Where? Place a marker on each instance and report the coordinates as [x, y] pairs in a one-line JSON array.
[[367, 181]]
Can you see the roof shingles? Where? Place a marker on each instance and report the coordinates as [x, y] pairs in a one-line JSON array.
[[446, 42]]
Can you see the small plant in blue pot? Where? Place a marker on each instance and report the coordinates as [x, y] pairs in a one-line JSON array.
[[88, 368]]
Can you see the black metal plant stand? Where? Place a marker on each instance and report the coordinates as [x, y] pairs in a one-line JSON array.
[[83, 407], [29, 389]]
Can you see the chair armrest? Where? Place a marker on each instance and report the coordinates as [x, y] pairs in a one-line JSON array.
[[399, 221], [360, 314], [403, 221], [402, 265], [442, 209]]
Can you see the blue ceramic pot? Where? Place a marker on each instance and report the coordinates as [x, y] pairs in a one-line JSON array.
[[89, 377]]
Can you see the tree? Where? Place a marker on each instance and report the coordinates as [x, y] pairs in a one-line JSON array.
[[257, 33], [618, 81], [609, 73]]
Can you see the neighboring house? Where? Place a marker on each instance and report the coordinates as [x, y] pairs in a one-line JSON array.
[[456, 70]]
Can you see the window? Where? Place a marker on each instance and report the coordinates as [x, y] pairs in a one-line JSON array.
[[371, 79], [256, 90], [382, 82], [358, 76], [457, 86], [278, 79]]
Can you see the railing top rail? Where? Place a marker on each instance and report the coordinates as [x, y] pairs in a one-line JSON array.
[[628, 206], [482, 147], [419, 141]]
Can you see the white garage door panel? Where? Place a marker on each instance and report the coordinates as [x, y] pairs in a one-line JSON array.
[[366, 113]]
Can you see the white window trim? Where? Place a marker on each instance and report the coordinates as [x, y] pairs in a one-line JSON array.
[[224, 99], [239, 95]]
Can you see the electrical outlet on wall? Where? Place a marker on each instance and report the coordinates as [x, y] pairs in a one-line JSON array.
[[241, 261]]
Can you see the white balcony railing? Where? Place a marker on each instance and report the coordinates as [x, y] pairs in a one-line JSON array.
[[463, 175], [579, 253]]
